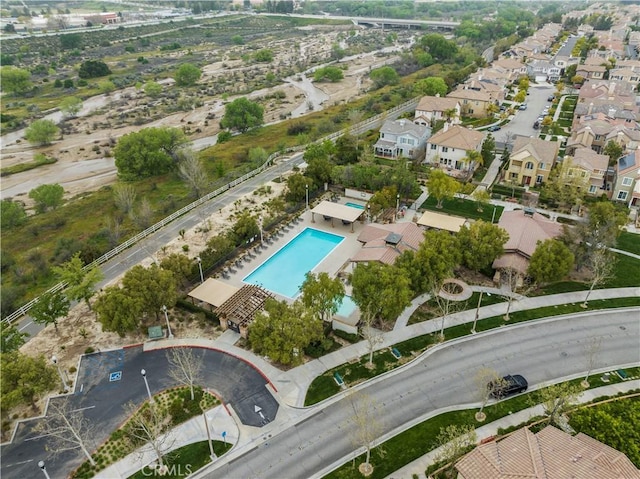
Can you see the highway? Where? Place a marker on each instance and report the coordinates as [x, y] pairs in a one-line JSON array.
[[543, 351]]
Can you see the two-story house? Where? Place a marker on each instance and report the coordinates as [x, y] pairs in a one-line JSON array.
[[401, 138], [473, 103], [436, 108], [592, 72], [449, 148], [586, 169], [626, 187], [531, 161]]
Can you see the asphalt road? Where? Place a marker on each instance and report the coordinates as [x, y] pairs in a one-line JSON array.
[[101, 399], [542, 351]]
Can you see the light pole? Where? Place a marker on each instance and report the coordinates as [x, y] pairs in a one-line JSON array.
[[199, 260], [54, 360], [369, 212], [261, 237], [475, 320], [397, 206], [166, 317], [44, 469], [306, 188], [206, 425], [144, 376]]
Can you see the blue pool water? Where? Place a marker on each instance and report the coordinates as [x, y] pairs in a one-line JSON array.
[[283, 273], [355, 205], [347, 307]]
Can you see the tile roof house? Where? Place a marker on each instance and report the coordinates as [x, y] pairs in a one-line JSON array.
[[384, 243], [531, 160], [525, 228], [625, 74], [595, 72], [433, 108], [586, 169], [548, 454], [596, 130], [473, 103], [512, 67], [401, 138], [448, 147], [627, 180]]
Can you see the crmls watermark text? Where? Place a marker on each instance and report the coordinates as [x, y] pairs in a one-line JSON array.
[[171, 470]]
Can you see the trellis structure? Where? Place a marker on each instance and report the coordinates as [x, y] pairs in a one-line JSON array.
[[238, 311]]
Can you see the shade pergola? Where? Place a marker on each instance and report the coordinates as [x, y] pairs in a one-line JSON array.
[[213, 292], [440, 221], [331, 210], [238, 311]]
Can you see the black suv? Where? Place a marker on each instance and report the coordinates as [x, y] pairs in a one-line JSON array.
[[512, 385]]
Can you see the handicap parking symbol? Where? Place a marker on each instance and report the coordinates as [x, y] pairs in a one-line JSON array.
[[115, 376]]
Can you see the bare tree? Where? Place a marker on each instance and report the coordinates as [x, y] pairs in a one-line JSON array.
[[370, 334], [124, 195], [148, 427], [114, 230], [516, 286], [488, 381], [591, 351], [67, 429], [366, 426], [453, 441], [601, 263], [192, 172], [185, 367], [144, 214], [446, 305]]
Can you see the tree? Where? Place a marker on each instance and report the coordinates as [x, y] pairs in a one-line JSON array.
[[482, 197], [245, 228], [70, 106], [452, 441], [366, 426], [331, 74], [80, 281], [431, 86], [12, 214], [10, 337], [520, 96], [439, 47], [49, 308], [380, 290], [187, 74], [93, 69], [23, 379], [15, 80], [124, 196], [283, 331], [70, 41], [557, 399], [297, 185], [106, 87], [384, 76], [148, 152], [551, 261], [591, 351], [149, 425], [118, 311], [488, 150], [242, 114], [606, 220], [67, 429], [192, 172], [153, 287], [47, 197], [152, 89], [487, 381], [472, 159], [322, 295], [179, 264], [602, 265], [614, 151], [264, 55], [480, 244], [41, 132], [442, 186], [185, 367]]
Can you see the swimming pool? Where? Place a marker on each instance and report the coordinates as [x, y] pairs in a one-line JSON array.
[[283, 273], [355, 205], [347, 307]]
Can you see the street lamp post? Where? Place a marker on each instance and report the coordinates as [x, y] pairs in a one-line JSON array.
[[44, 469], [144, 376], [475, 320], [306, 188], [199, 260], [166, 317], [54, 360], [261, 235], [397, 206], [206, 425], [369, 212]]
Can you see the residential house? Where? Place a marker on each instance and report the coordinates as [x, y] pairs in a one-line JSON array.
[[514, 69], [549, 453], [586, 169], [626, 188], [473, 103], [436, 108], [531, 161], [543, 70], [401, 138], [625, 74], [525, 229], [596, 130], [592, 72], [493, 85], [384, 243], [448, 148], [585, 30]]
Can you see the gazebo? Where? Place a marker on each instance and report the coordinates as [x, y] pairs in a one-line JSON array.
[[213, 292], [237, 312], [331, 210]]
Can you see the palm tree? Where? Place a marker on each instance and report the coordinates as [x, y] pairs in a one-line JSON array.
[[473, 158]]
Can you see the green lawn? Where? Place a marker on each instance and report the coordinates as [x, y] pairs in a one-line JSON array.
[[465, 208], [629, 242]]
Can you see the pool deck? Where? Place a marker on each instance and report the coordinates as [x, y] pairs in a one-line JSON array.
[[331, 264]]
